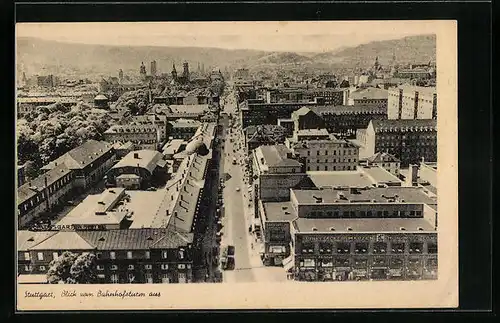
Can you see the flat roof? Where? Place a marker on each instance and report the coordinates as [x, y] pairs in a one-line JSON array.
[[363, 225], [412, 195], [339, 179], [279, 211], [380, 175], [32, 279]]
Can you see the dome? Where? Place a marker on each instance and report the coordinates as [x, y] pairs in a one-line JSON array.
[[197, 146]]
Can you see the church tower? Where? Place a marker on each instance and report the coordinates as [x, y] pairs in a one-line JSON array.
[[174, 72], [142, 71]]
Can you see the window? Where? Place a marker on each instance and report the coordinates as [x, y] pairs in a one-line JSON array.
[[361, 247], [336, 214], [42, 268], [307, 248], [98, 255], [362, 214], [26, 256], [148, 266], [149, 278], [164, 266], [181, 254], [27, 267], [395, 214], [431, 247], [416, 247], [317, 167], [386, 214], [308, 153], [379, 247], [353, 214], [101, 276], [112, 255], [130, 267], [100, 267], [165, 279], [379, 214], [343, 247], [40, 256], [345, 214], [113, 267], [129, 254], [147, 255], [369, 214], [398, 247], [55, 255], [308, 263], [114, 278], [402, 214], [181, 266], [418, 213]]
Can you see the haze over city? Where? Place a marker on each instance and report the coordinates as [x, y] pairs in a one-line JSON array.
[[268, 36]]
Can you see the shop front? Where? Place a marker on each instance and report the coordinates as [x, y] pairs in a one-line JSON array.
[[378, 273], [395, 273], [326, 271], [307, 270], [276, 254], [342, 273], [359, 274]]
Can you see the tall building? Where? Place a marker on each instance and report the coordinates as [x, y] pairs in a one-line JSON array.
[[408, 140], [153, 68], [142, 71], [412, 102], [120, 75], [174, 72]]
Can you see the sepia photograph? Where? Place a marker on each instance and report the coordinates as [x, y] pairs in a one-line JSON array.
[[252, 164]]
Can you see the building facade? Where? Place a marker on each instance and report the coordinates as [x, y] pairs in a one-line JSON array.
[[143, 136], [346, 120], [407, 140], [412, 102]]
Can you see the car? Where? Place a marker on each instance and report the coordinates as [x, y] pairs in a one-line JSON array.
[[237, 189]]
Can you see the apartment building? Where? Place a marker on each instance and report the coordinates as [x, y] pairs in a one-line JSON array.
[[408, 140], [143, 136], [412, 102], [354, 234]]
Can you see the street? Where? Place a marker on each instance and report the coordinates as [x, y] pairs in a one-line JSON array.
[[238, 214]]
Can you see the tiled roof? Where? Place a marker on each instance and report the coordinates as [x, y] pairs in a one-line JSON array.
[[349, 109], [404, 125], [27, 239], [82, 155], [31, 188], [132, 128], [383, 157], [64, 240], [135, 239], [148, 159]]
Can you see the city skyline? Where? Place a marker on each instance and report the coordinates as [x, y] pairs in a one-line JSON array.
[[317, 37]]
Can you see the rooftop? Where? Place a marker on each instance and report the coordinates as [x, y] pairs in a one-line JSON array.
[[333, 179], [185, 123], [279, 211], [275, 156], [192, 108], [369, 93], [404, 125], [349, 109], [32, 187], [397, 194], [132, 128], [147, 159], [82, 155], [383, 157], [173, 146], [363, 225], [380, 175], [149, 208], [27, 239], [97, 210]]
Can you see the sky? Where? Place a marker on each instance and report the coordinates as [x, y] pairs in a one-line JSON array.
[[313, 36]]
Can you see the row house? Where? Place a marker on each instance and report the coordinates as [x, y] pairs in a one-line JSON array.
[[143, 136], [122, 256], [41, 194], [88, 162]]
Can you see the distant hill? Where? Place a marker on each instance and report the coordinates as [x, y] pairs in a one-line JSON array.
[[36, 56], [416, 49]]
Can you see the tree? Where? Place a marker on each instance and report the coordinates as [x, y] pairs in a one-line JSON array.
[[71, 268]]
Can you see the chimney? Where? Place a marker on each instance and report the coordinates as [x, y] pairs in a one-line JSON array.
[[136, 155], [412, 175]]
